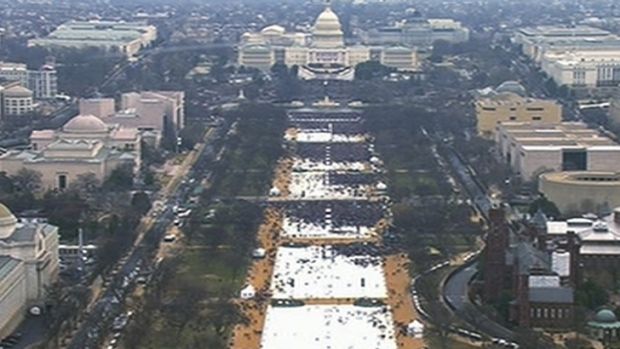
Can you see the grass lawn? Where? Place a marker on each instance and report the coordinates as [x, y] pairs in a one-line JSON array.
[[212, 268], [162, 336], [403, 184]]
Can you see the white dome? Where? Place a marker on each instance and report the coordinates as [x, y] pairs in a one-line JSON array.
[[328, 18], [327, 31], [85, 124], [273, 30], [8, 222]]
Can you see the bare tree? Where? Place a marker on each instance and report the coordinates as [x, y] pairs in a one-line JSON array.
[[27, 180]]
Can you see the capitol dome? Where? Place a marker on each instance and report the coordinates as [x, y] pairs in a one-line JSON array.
[[8, 222], [327, 31], [85, 124]]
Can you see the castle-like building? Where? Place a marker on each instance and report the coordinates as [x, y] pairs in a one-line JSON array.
[[320, 54]]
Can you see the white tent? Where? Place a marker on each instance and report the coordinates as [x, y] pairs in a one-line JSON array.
[[415, 329], [248, 292], [259, 253]]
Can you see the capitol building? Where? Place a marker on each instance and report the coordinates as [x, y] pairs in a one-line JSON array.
[[320, 54]]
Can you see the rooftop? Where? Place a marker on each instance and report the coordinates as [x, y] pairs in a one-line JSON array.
[[567, 134], [509, 98], [7, 264], [551, 295], [563, 31], [589, 178], [102, 31]]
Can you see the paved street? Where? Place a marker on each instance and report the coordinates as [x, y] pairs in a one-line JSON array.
[[93, 328]]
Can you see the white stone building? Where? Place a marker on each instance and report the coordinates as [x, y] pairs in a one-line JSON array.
[[16, 100], [154, 113], [589, 68], [28, 266], [42, 82], [537, 41], [84, 145], [320, 54], [533, 148], [417, 32], [125, 37]]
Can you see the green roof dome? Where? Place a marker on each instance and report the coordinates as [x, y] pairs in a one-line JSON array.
[[605, 316]]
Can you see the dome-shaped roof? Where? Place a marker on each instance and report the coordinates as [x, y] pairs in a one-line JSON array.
[[511, 86], [327, 17], [8, 222], [273, 29], [85, 124], [605, 316], [398, 49], [17, 91], [327, 31]]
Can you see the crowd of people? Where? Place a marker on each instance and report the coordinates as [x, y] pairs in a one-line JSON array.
[[340, 212], [334, 152], [353, 179]]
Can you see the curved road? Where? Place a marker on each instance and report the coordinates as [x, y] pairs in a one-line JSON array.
[[455, 293]]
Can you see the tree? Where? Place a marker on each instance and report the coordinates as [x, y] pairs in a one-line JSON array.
[[184, 308], [85, 184], [121, 178], [548, 207], [141, 202], [223, 314], [191, 134], [27, 180], [528, 338], [151, 155], [6, 184], [591, 295], [149, 177], [371, 70]]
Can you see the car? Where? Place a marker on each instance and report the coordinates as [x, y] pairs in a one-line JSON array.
[[169, 238], [185, 213]]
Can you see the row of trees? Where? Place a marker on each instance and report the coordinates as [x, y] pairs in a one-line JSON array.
[[430, 225], [189, 299], [252, 151]]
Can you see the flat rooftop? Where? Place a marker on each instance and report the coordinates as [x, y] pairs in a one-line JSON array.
[[328, 326], [563, 31], [566, 134], [511, 99], [103, 32]]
